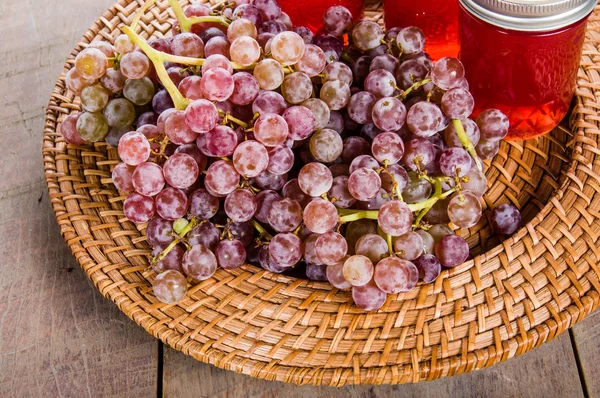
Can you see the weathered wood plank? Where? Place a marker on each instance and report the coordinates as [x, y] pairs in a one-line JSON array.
[[549, 371], [586, 340], [58, 335]]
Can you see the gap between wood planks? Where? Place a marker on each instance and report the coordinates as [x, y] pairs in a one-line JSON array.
[[584, 388], [160, 369]]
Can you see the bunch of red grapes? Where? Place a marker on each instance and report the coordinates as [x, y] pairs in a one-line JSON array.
[[343, 155]]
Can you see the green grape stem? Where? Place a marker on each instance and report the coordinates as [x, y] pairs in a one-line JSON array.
[[186, 23], [230, 118], [423, 175], [116, 61], [388, 239], [193, 222], [209, 18], [437, 193], [395, 187], [397, 191], [158, 59], [348, 215], [163, 146], [389, 45], [259, 228], [140, 12], [414, 87], [347, 58], [466, 142]]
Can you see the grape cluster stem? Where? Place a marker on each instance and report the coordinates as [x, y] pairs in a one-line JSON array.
[[388, 239], [414, 87], [228, 118], [395, 187], [438, 193], [140, 12], [348, 215], [186, 23], [466, 142], [178, 239], [259, 228], [158, 59]]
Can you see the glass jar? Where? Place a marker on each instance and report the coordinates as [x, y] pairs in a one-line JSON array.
[[309, 13], [438, 19], [522, 57]]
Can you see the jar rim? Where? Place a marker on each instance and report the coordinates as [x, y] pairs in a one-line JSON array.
[[530, 15]]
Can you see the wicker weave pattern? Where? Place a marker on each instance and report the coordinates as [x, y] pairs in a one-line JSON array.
[[515, 296]]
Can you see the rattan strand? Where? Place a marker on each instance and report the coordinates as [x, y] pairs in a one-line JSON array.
[[511, 298]]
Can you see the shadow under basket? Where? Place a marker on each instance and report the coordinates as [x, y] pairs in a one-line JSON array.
[[511, 297]]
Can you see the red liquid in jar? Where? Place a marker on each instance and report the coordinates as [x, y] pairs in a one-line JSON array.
[[438, 19], [309, 13], [530, 76]]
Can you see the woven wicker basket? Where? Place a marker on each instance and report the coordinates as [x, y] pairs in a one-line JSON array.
[[514, 295]]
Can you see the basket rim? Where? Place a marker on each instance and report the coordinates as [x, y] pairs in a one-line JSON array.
[[556, 322]]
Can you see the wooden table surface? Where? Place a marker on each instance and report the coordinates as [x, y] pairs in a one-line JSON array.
[[60, 337]]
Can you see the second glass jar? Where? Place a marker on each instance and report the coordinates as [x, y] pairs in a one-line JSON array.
[[309, 13], [438, 19]]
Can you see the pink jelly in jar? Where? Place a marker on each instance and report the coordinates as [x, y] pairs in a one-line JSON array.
[[522, 57]]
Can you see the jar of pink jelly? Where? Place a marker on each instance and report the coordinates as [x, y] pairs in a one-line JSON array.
[[522, 57]]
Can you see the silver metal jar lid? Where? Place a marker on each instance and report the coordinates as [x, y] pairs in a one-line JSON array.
[[530, 15]]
